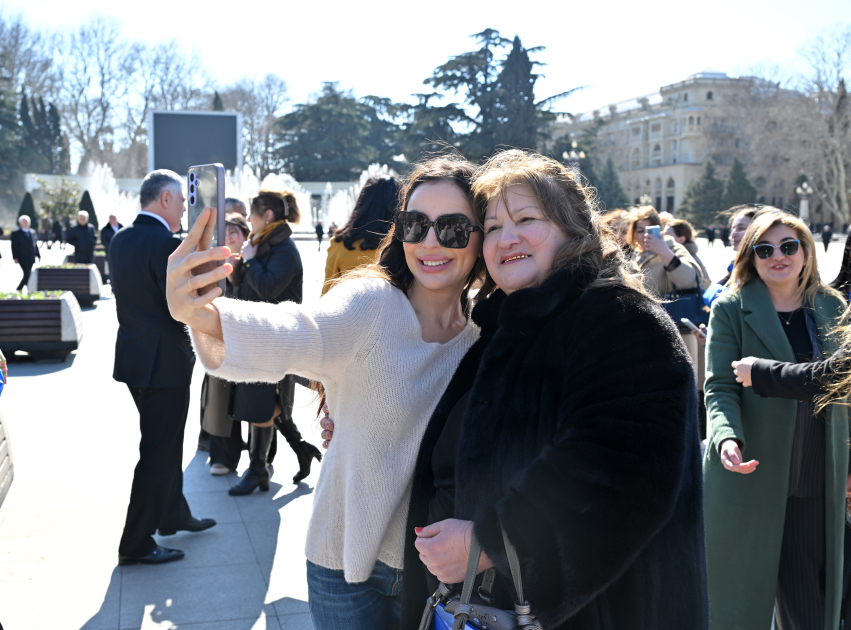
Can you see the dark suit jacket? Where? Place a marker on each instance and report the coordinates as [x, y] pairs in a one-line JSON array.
[[25, 247], [152, 349], [107, 234], [83, 238]]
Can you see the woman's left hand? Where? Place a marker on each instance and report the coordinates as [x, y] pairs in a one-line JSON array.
[[742, 369], [445, 549]]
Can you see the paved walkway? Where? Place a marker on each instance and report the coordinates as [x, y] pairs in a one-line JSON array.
[[74, 432]]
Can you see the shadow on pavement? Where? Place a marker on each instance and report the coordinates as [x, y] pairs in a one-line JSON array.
[[223, 582], [26, 365]]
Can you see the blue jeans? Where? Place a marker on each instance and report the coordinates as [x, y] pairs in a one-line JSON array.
[[337, 605]]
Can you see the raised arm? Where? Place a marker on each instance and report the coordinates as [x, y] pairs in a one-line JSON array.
[[798, 381]]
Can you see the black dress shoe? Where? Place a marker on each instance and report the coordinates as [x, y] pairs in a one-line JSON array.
[[157, 556], [192, 525]]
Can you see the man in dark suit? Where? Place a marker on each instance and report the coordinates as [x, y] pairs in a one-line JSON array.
[[24, 248], [109, 231], [82, 237], [154, 358]]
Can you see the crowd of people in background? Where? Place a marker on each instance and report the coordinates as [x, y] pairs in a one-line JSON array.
[[502, 370]]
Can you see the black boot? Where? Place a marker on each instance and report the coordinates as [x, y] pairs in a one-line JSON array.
[[257, 475], [304, 451]]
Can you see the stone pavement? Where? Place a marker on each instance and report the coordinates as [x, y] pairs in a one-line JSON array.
[[74, 433]]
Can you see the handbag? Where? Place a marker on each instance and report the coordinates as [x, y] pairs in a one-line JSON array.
[[445, 611], [688, 304]]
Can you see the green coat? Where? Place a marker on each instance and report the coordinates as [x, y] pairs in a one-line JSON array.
[[745, 513]]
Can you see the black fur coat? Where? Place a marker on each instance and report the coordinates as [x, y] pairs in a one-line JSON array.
[[581, 438]]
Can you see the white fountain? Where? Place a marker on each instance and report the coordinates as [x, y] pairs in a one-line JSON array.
[[107, 199], [339, 206]]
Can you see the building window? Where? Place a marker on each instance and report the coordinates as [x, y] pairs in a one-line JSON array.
[[658, 205], [656, 127], [636, 158], [709, 96], [636, 130], [656, 157], [691, 120], [685, 96], [669, 207], [698, 120]]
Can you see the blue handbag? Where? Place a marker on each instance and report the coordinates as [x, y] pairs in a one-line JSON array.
[[444, 611]]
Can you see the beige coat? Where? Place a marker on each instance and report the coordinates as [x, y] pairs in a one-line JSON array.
[[659, 281]]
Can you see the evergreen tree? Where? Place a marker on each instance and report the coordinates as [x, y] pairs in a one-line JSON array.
[[610, 191], [475, 75], [516, 114], [87, 205], [28, 209], [737, 187], [11, 168], [324, 140], [218, 106], [704, 198]]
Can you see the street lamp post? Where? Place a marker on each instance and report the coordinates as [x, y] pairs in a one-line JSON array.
[[804, 191]]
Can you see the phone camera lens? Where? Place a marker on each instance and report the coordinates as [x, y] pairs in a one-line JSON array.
[[191, 177], [191, 200], [192, 188]]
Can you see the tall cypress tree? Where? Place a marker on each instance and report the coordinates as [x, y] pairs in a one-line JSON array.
[[87, 205], [704, 198], [28, 209], [610, 191], [516, 115], [218, 106], [737, 187], [11, 171]]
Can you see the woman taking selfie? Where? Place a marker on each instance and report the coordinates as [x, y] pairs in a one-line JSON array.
[[384, 344], [571, 425], [776, 471]]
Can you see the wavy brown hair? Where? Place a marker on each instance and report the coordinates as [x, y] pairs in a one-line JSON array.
[[568, 202], [642, 213]]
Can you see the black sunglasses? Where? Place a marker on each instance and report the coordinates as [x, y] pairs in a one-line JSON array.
[[452, 230], [787, 248]]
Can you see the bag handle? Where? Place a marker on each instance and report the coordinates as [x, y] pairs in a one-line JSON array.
[[525, 619]]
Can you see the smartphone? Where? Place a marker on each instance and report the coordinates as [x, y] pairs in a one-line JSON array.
[[690, 324], [205, 186], [654, 230]]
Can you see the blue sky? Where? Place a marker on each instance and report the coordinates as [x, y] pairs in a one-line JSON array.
[[621, 48]]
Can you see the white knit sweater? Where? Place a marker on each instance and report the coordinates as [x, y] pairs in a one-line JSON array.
[[363, 341]]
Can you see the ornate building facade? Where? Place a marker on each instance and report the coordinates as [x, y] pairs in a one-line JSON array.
[[660, 142]]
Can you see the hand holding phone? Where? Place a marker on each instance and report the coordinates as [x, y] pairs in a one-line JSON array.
[[691, 325], [206, 189], [654, 231]]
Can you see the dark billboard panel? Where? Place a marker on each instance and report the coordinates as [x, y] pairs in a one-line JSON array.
[[178, 140]]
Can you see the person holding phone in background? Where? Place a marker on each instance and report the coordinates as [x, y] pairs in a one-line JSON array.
[[154, 358], [665, 264], [775, 470]]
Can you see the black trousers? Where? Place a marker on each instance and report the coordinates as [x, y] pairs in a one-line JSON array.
[[156, 498], [801, 579], [27, 270]]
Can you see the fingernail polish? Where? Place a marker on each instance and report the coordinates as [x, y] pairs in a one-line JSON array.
[[418, 529]]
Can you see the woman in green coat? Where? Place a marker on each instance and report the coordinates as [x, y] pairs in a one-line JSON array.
[[775, 473]]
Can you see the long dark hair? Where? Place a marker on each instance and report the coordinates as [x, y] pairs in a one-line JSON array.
[[373, 213], [843, 280]]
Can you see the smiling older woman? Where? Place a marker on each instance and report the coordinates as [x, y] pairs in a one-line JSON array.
[[571, 425]]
